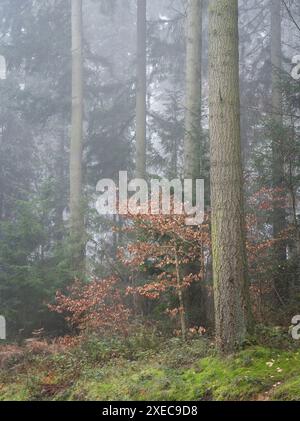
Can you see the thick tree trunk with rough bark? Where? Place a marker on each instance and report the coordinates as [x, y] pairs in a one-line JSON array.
[[228, 222], [141, 89], [277, 123], [192, 141], [77, 220]]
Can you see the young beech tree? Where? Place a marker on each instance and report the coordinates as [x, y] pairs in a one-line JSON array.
[[94, 307], [192, 141], [228, 221], [141, 89], [77, 221], [165, 249]]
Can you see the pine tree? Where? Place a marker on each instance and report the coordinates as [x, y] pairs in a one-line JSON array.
[[228, 222], [77, 222], [141, 88], [277, 147], [193, 90]]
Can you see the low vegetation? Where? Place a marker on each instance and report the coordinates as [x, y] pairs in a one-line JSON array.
[[146, 367]]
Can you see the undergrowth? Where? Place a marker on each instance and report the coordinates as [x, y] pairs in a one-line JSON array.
[[148, 367]]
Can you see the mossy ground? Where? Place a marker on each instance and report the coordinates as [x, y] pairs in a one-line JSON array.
[[162, 371]]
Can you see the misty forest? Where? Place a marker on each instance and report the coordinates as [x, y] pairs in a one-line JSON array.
[[132, 304]]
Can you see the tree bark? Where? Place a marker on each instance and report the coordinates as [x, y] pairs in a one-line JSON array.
[[192, 141], [231, 295], [76, 206], [141, 89]]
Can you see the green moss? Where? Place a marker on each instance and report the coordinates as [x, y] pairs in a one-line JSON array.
[[14, 392], [289, 391], [172, 373], [241, 377], [246, 375]]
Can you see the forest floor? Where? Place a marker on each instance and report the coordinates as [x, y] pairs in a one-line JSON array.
[[149, 369]]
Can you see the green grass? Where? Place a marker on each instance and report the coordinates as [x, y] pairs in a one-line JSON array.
[[164, 371]]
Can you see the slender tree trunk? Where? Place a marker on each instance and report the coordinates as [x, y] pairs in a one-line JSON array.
[[61, 177], [77, 220], [141, 89], [192, 141], [294, 243], [277, 165], [228, 222], [1, 176], [180, 297]]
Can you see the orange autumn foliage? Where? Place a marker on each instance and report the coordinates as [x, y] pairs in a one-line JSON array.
[[95, 306], [169, 249]]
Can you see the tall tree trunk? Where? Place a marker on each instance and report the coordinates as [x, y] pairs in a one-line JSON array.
[[228, 223], [2, 77], [192, 141], [61, 177], [76, 208], [277, 165], [141, 89], [180, 296]]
